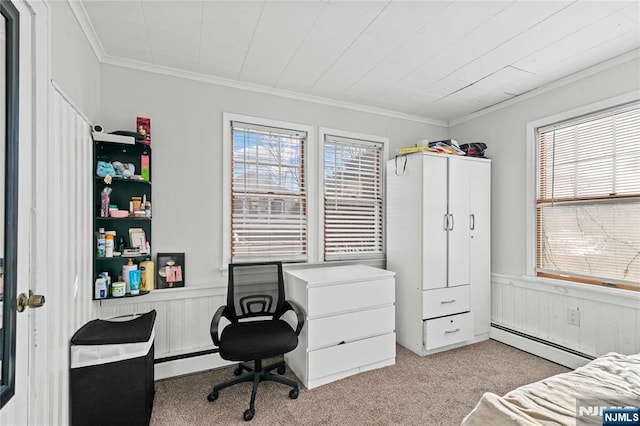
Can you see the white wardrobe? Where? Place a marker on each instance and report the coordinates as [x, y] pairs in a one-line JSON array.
[[438, 244]]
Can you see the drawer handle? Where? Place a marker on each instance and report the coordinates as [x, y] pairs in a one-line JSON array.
[[447, 301], [452, 331]]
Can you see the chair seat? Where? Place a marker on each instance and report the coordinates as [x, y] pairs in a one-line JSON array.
[[253, 340]]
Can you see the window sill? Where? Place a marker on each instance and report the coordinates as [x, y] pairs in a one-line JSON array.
[[627, 298]]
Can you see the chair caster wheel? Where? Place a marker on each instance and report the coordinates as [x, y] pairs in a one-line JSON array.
[[237, 371], [282, 369], [293, 393], [213, 396], [248, 415]]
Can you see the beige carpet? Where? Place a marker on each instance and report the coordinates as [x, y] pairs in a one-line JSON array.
[[436, 390]]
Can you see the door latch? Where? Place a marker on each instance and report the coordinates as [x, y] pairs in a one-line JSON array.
[[33, 301]]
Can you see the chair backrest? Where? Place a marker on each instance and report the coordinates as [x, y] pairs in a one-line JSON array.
[[255, 289]]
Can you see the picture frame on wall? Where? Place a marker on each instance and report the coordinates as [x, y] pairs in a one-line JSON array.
[[170, 270]]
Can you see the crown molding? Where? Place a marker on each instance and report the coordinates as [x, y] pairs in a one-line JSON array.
[[173, 72], [602, 66], [87, 27]]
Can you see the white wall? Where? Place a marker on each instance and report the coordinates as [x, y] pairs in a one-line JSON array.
[[74, 66], [609, 319], [186, 135], [504, 132]]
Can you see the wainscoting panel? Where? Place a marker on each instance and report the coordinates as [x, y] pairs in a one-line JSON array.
[[183, 317], [606, 319], [64, 244]]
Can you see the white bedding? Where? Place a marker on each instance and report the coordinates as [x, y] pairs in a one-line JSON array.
[[611, 380]]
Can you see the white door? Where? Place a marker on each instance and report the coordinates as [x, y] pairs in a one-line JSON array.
[[480, 253], [459, 188], [434, 222], [32, 87]]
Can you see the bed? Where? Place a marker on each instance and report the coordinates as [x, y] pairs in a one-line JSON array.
[[612, 380]]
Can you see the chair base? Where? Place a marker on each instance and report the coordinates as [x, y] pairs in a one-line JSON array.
[[256, 375]]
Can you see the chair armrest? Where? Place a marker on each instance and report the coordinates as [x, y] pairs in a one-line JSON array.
[[215, 321], [292, 306]]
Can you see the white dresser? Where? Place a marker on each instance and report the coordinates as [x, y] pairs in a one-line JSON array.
[[349, 321]]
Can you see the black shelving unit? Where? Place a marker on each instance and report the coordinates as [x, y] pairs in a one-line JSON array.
[[122, 189]]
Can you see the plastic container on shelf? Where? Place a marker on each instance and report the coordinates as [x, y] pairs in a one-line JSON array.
[[109, 243], [101, 240]]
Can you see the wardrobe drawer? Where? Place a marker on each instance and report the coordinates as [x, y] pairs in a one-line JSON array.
[[448, 330], [348, 356], [445, 301], [323, 300], [334, 329]]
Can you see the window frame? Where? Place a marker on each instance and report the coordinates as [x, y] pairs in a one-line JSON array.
[[322, 133], [309, 171], [532, 176]]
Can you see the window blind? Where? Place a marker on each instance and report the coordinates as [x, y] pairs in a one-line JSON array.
[[269, 200], [353, 199], [588, 204]]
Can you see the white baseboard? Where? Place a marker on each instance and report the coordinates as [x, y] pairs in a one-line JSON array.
[[196, 364], [542, 350]]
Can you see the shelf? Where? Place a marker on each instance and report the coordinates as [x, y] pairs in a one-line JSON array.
[[122, 218], [119, 179], [142, 293], [137, 256]]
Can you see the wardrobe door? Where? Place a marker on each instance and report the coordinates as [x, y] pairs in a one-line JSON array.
[[434, 222], [480, 254], [458, 222]]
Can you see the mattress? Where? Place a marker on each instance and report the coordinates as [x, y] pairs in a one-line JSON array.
[[573, 398]]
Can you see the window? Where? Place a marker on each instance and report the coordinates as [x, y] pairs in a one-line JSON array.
[[588, 201], [353, 203], [268, 193]]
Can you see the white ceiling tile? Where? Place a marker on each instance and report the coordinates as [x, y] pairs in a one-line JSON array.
[[457, 21], [412, 57], [525, 84], [557, 26], [335, 30], [445, 86], [174, 44], [183, 17], [585, 39], [230, 22], [595, 55], [282, 28], [632, 11], [508, 23], [127, 10]]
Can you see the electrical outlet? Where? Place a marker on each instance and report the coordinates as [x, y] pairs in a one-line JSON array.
[[573, 317]]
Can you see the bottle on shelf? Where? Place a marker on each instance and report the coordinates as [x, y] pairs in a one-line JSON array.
[[101, 243], [109, 243], [130, 266], [146, 274]]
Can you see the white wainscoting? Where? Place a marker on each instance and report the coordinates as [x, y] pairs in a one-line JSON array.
[[609, 318], [182, 325], [63, 242]]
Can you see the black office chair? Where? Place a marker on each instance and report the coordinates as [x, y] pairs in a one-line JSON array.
[[255, 306]]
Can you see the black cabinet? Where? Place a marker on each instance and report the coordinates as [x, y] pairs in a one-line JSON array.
[[112, 168]]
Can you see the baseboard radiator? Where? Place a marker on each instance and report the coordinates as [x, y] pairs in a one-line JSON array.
[[543, 348]]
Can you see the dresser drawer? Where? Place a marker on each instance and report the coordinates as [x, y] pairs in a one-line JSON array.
[[336, 359], [445, 301], [331, 330], [329, 299], [448, 330]]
